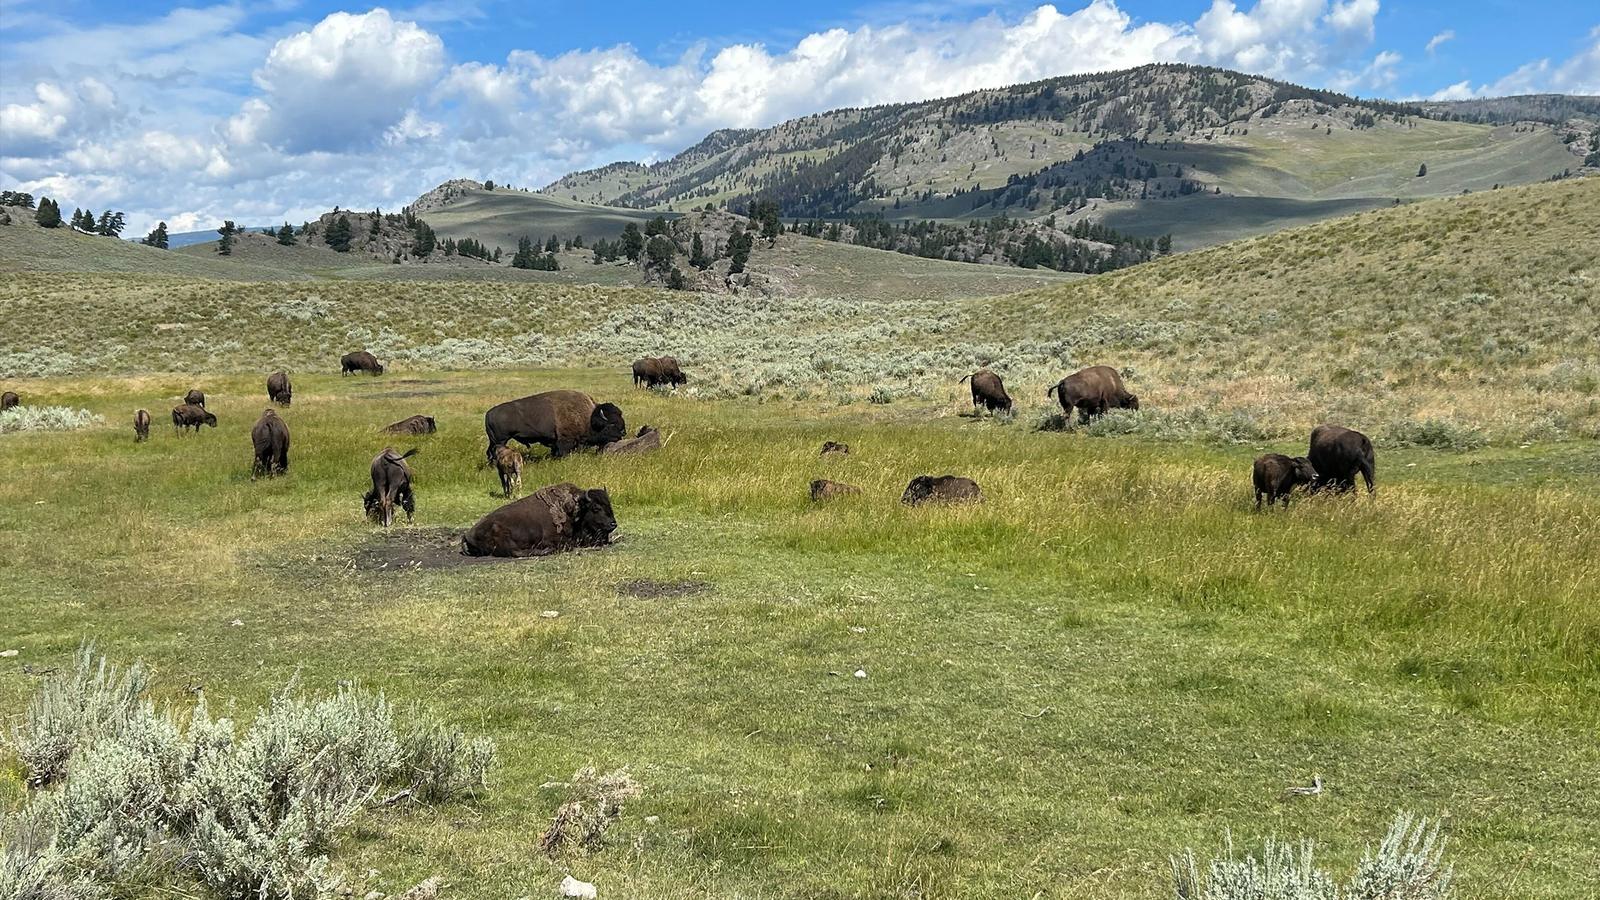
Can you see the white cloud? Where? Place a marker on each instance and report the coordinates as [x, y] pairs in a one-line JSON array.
[[58, 114], [1440, 39], [1579, 74], [1461, 90], [1377, 76]]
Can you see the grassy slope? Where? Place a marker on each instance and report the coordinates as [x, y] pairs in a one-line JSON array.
[[500, 218], [27, 248]]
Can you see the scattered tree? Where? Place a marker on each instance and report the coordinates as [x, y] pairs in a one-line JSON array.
[[697, 253], [632, 242], [1422, 172], [49, 214], [286, 235], [225, 246], [157, 238], [338, 236]]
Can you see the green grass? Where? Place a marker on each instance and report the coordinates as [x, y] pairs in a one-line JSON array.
[[1113, 657]]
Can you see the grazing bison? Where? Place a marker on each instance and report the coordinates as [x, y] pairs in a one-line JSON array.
[[646, 440], [141, 426], [943, 489], [414, 425], [1092, 391], [270, 437], [563, 421], [508, 462], [551, 519], [834, 447], [989, 391], [9, 399], [391, 485], [1276, 476], [653, 370], [1338, 454], [195, 397], [823, 489], [279, 390], [190, 416], [360, 361]]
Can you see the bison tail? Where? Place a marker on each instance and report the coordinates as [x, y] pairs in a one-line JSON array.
[[409, 453], [964, 379], [1052, 389]]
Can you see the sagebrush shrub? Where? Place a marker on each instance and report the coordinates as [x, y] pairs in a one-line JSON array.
[[46, 418], [594, 803], [94, 701]]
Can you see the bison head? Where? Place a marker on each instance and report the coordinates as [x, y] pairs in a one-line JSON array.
[[593, 524], [1131, 401], [918, 491], [606, 425], [211, 420], [1303, 472]]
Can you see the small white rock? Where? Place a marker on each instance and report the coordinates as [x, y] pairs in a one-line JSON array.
[[374, 895], [550, 614], [857, 629], [652, 820], [8, 653], [572, 887], [236, 622], [861, 673]]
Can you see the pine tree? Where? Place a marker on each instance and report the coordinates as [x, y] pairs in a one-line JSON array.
[[739, 244], [1164, 244], [697, 253], [659, 252], [338, 236], [577, 242], [488, 185], [77, 218], [85, 224], [655, 226], [632, 242], [552, 245], [286, 235], [158, 237], [1423, 171], [675, 281], [523, 258], [49, 213], [425, 242], [225, 246]]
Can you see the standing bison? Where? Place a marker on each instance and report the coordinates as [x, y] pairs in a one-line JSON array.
[[943, 489], [391, 486], [279, 390], [190, 416], [653, 370], [563, 421], [989, 391], [414, 425], [551, 519], [1276, 476], [9, 399], [508, 462], [141, 426], [360, 361], [1339, 454], [270, 437], [1092, 391], [195, 397]]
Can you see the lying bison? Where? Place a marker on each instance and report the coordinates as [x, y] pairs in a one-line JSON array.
[[414, 425], [653, 370], [279, 390], [141, 426], [195, 397], [1092, 391], [1276, 476], [823, 489], [943, 489], [360, 361], [190, 416], [9, 399], [1339, 454], [989, 391], [270, 437], [391, 486], [508, 462], [834, 448], [551, 519], [563, 421]]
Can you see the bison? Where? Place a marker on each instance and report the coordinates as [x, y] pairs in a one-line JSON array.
[[651, 371], [195, 397], [141, 426], [9, 399], [508, 462], [943, 489], [279, 390], [989, 391], [391, 485], [823, 489], [414, 425], [831, 448], [563, 421], [270, 437], [1338, 454], [1092, 391], [1276, 476], [551, 519], [360, 361], [190, 416]]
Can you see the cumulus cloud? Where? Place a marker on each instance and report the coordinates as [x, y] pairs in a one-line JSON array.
[[1578, 74], [58, 114]]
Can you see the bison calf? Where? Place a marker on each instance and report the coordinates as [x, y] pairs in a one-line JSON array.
[[9, 399], [508, 461], [551, 519], [141, 426], [414, 425], [1276, 476], [823, 489], [834, 447], [190, 416], [270, 438], [943, 489], [391, 486], [195, 397]]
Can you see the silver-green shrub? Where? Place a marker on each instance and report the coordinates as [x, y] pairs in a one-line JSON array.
[[94, 701], [46, 418]]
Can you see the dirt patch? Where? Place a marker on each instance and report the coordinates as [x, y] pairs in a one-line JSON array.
[[649, 589]]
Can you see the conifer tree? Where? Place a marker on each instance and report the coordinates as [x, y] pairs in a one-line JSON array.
[[49, 213], [225, 246], [286, 235], [158, 237], [338, 236], [632, 242], [697, 253]]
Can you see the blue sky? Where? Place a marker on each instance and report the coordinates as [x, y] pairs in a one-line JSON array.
[[272, 109]]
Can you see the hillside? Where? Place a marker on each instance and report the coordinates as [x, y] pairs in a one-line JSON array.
[[501, 217], [1141, 138]]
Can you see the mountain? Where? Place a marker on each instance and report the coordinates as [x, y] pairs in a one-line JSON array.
[[1205, 154]]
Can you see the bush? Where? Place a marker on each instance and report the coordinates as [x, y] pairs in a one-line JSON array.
[[46, 418], [594, 803], [95, 702], [1436, 433]]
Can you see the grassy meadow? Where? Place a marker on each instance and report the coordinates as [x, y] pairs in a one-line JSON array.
[[1112, 658]]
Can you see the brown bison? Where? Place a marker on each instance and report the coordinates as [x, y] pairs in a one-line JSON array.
[[360, 361], [279, 390], [391, 485], [270, 437], [563, 421], [989, 391], [190, 416], [141, 426], [414, 425], [943, 489], [9, 399], [646, 440], [1339, 454], [195, 397], [551, 519], [653, 370], [508, 462], [1092, 391], [1276, 476], [830, 448], [823, 489]]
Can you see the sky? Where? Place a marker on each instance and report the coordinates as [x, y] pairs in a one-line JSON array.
[[277, 110]]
